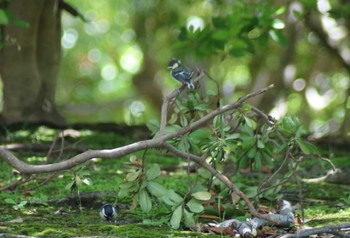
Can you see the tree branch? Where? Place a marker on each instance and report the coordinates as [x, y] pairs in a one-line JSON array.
[[335, 229], [115, 153]]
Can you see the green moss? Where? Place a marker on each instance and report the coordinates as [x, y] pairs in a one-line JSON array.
[[324, 203]]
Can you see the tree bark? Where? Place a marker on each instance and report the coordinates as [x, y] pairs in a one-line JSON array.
[[29, 67]]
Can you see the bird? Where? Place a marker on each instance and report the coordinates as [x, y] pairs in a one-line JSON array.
[[181, 73], [108, 212]]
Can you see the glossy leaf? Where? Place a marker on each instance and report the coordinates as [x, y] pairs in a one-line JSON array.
[[189, 220], [176, 218], [174, 196], [3, 17], [195, 206], [306, 147], [156, 189], [145, 201], [153, 172], [202, 195], [132, 176]]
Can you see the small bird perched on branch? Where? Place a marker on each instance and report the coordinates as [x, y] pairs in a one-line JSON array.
[[181, 73], [108, 212]]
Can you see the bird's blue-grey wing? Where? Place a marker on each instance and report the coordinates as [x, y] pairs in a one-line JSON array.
[[182, 75]]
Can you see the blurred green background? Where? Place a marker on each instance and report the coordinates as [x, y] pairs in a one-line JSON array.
[[114, 66]]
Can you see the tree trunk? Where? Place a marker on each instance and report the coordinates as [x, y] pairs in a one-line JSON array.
[[29, 67]]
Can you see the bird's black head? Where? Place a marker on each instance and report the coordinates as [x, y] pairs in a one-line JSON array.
[[108, 212], [174, 63]]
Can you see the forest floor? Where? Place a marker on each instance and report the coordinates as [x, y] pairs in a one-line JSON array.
[[49, 208]]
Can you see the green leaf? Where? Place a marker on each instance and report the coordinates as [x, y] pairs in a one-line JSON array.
[[172, 128], [132, 176], [70, 185], [202, 195], [3, 17], [200, 136], [166, 199], [10, 201], [173, 118], [243, 161], [145, 201], [288, 125], [183, 121], [176, 218], [156, 189], [144, 184], [278, 36], [78, 181], [266, 158], [153, 172], [280, 10], [183, 144], [306, 147], [247, 142], [260, 144], [195, 206], [189, 221], [153, 125], [250, 191], [202, 107], [281, 148], [127, 185], [204, 173], [251, 153], [248, 121], [87, 181], [257, 162], [232, 136], [174, 196]]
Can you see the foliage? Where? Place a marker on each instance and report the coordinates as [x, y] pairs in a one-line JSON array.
[[245, 138], [237, 32], [141, 185], [242, 43]]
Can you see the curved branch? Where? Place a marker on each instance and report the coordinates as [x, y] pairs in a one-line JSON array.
[[116, 153], [202, 162]]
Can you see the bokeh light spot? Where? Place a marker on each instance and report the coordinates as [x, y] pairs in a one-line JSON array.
[[109, 71], [94, 55], [195, 22], [131, 60], [69, 38], [299, 84]]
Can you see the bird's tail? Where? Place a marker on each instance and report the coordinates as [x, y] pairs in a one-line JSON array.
[[190, 85]]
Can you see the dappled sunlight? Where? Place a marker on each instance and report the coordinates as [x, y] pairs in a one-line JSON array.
[[316, 100], [279, 110], [131, 60], [299, 84], [195, 23], [69, 38], [109, 71]]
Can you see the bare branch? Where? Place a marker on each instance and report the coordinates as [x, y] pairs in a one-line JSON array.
[[116, 153], [202, 162], [334, 229]]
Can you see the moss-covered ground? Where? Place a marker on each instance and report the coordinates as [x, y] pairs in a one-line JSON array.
[[38, 211]]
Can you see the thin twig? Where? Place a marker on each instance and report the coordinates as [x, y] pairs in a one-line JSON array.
[[334, 229]]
